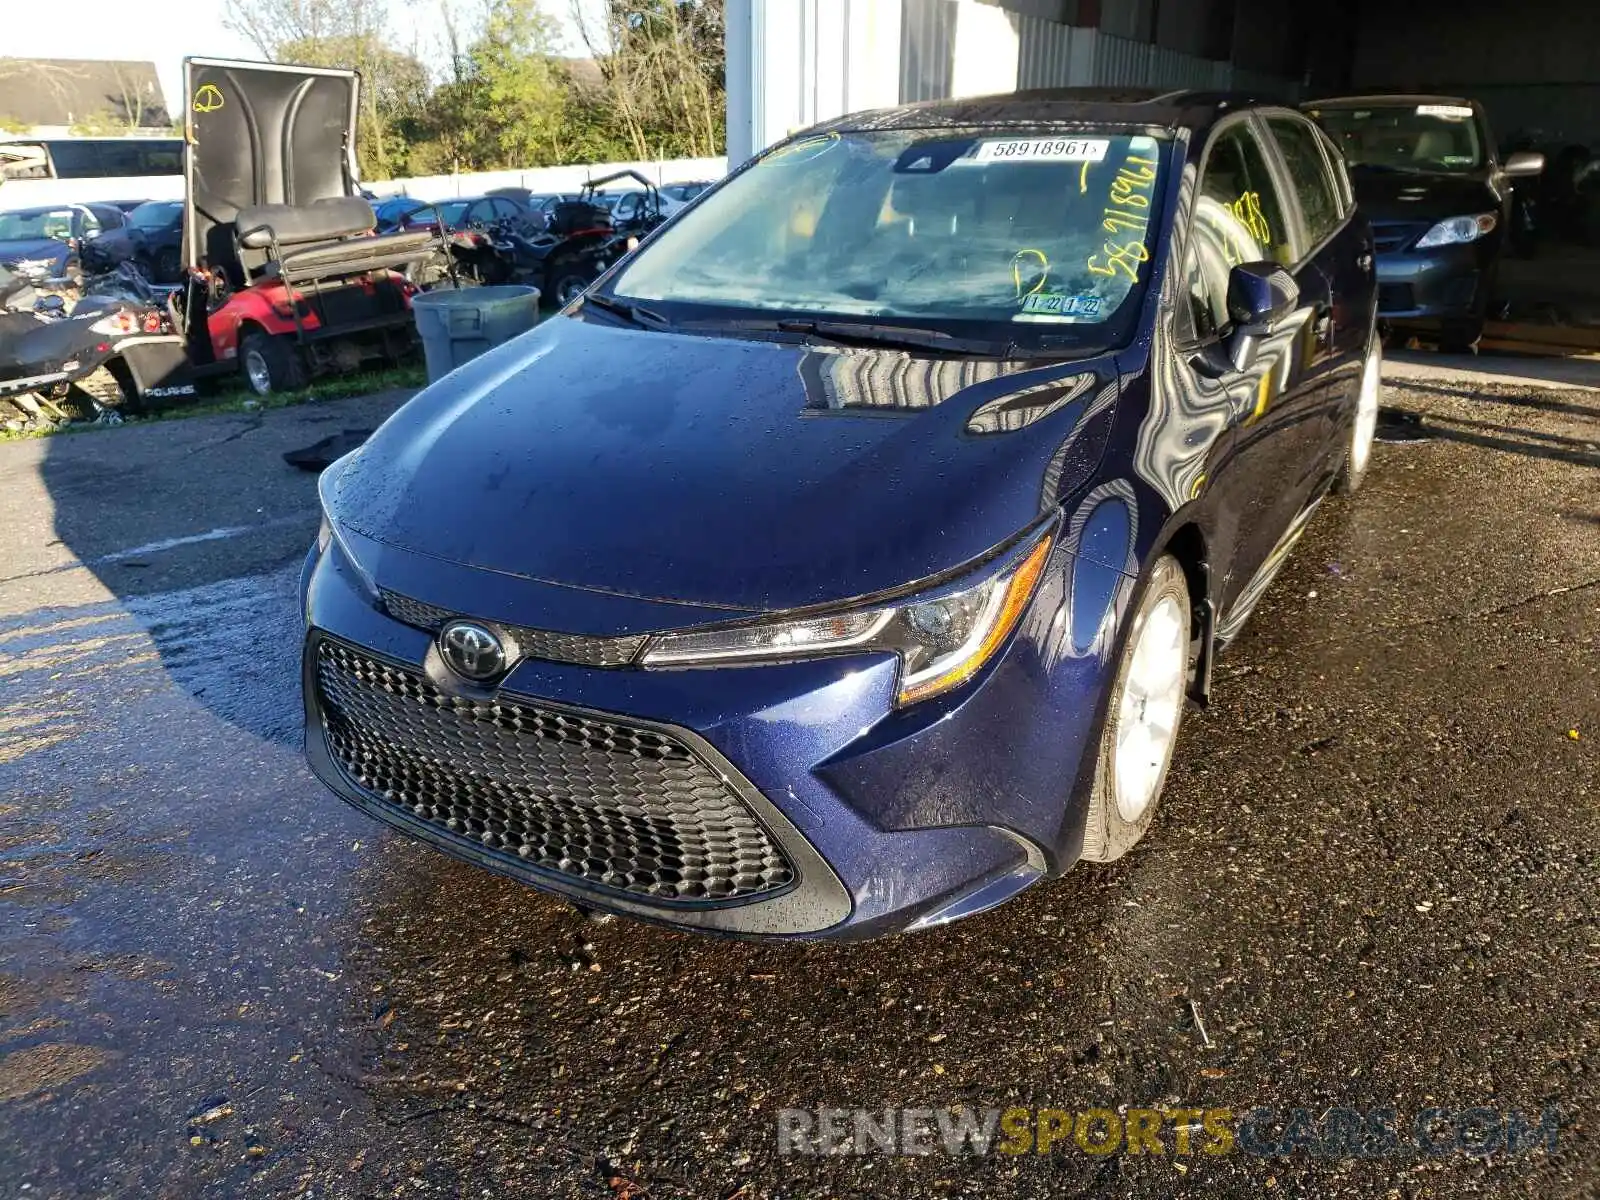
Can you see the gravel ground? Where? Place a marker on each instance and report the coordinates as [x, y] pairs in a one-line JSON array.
[[1373, 884]]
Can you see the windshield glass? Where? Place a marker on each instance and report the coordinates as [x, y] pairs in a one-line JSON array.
[[39, 223], [1000, 235], [1413, 137], [155, 216], [453, 211]]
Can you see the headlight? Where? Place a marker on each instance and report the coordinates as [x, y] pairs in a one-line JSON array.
[[34, 266], [942, 642], [1455, 230]]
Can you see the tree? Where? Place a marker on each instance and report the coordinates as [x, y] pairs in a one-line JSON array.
[[662, 63]]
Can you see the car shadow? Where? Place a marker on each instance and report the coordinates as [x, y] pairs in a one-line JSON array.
[[1509, 439], [194, 528]]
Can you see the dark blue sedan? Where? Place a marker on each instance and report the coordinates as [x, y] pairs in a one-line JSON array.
[[841, 562]]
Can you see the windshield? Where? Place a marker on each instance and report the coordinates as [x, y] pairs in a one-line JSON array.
[[1412, 137], [453, 211], [39, 223], [154, 216], [968, 231]]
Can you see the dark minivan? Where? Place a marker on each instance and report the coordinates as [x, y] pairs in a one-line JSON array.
[[841, 561], [1427, 176]]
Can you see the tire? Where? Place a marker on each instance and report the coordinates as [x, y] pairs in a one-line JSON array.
[[1461, 337], [271, 364], [1142, 715], [566, 284], [166, 269], [1369, 399]]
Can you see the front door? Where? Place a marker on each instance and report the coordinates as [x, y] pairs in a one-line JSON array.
[[1241, 215]]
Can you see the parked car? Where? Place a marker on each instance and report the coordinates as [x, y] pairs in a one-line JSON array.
[[544, 206], [157, 231], [1426, 173], [55, 239], [390, 210], [684, 192], [841, 561], [40, 242]]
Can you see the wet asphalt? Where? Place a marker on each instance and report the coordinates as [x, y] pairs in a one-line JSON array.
[[1373, 883]]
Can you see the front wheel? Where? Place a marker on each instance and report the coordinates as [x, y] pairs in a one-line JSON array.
[[1142, 716], [271, 364]]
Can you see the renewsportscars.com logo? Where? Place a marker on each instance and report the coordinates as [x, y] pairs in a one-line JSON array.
[[1265, 1132]]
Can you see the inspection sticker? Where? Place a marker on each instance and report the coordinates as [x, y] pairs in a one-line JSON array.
[[1054, 304], [1450, 112], [1042, 150]]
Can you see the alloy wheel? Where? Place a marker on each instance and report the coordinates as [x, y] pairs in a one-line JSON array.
[[1148, 708], [257, 372]]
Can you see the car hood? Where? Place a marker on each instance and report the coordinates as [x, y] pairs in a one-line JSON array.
[[14, 250], [738, 474], [1421, 196]]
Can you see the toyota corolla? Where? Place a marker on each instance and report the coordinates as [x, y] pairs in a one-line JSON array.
[[842, 562]]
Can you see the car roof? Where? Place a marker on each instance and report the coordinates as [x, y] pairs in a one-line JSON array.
[[1385, 100], [38, 210], [1195, 110]]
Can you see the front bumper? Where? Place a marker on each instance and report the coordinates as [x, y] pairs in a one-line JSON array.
[[821, 810], [1428, 287]]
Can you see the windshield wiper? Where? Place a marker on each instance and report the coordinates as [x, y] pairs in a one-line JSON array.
[[867, 333], [634, 314]]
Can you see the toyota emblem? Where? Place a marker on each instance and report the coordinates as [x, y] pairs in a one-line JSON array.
[[472, 651]]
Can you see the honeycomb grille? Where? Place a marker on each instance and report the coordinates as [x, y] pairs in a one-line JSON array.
[[611, 804], [534, 643]]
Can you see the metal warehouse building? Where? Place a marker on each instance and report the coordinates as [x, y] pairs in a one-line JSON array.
[[1535, 65]]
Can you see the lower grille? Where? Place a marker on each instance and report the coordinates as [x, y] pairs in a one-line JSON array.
[[533, 643], [1396, 297], [614, 805]]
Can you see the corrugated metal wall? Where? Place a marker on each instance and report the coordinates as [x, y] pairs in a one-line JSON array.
[[927, 49], [1120, 62], [1046, 52]]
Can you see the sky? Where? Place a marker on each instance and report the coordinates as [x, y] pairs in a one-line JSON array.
[[106, 29]]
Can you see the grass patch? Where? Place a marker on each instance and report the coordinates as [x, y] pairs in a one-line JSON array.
[[233, 398]]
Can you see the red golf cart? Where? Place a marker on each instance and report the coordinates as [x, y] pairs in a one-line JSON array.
[[285, 278]]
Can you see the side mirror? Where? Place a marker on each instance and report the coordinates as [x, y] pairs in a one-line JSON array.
[[1524, 162], [1261, 295]]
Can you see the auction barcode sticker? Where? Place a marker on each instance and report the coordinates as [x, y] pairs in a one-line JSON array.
[[1450, 112], [1041, 150]]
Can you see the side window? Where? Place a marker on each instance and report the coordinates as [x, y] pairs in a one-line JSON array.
[[1302, 153], [1341, 174], [505, 210], [1238, 218]]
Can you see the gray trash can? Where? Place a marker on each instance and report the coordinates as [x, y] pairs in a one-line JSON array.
[[458, 324]]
